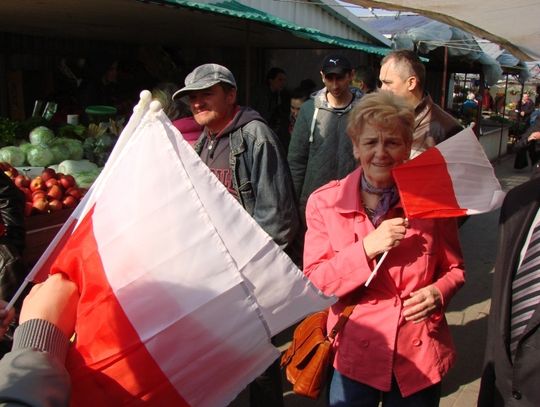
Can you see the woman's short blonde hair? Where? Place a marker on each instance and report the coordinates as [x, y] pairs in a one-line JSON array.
[[382, 110]]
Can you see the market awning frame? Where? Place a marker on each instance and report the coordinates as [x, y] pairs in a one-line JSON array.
[[232, 8], [513, 26]]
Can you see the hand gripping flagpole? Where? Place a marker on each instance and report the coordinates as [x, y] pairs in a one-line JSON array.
[[138, 112], [377, 267]]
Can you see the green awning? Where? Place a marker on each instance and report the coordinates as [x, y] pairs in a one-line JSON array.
[[235, 9]]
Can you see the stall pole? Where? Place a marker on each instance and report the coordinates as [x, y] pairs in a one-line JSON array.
[[479, 107], [248, 65], [445, 73], [502, 120]]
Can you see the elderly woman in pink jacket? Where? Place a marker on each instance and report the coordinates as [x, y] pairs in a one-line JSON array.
[[396, 345]]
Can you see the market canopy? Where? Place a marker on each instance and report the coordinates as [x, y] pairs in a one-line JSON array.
[[169, 23], [236, 9], [513, 25]]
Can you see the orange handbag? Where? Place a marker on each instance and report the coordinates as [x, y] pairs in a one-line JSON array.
[[308, 358]]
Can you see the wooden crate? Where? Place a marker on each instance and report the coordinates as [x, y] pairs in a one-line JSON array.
[[40, 230]]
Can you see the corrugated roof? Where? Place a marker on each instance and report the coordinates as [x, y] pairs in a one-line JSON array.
[[233, 8]]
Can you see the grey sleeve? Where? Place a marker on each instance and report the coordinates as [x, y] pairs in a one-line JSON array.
[[33, 373], [275, 207], [298, 153]]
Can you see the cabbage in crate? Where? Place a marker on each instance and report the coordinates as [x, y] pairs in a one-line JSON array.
[[12, 155], [41, 136]]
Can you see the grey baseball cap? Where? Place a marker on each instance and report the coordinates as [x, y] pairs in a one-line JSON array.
[[204, 77]]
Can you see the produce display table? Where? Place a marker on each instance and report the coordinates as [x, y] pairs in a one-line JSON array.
[[40, 230]]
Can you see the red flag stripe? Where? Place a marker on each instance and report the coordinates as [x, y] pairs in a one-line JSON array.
[[107, 336], [425, 187]]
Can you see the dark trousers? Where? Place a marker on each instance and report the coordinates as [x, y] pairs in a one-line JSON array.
[[345, 392], [266, 390]]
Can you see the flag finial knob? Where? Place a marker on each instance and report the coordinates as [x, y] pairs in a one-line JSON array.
[[145, 95], [155, 106]]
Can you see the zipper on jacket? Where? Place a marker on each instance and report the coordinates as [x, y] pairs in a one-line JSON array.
[[211, 142]]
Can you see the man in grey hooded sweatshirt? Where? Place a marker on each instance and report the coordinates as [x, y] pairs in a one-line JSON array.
[[320, 150]]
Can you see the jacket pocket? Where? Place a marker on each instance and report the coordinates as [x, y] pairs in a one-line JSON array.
[[247, 196]]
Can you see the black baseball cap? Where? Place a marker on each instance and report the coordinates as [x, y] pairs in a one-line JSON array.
[[337, 64]]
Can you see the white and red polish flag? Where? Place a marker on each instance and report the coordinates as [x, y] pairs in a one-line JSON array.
[[181, 290], [452, 179]]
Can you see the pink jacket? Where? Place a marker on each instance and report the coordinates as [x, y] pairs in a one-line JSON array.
[[377, 341]]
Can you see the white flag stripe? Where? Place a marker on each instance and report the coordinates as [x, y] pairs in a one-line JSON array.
[[215, 195], [253, 252], [203, 285], [234, 351], [132, 228], [468, 164]]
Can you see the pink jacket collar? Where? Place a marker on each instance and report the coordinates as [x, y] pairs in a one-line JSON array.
[[348, 199]]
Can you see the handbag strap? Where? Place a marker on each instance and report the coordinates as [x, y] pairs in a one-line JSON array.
[[344, 316], [342, 320]]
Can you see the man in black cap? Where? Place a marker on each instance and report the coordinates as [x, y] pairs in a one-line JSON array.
[[320, 150], [244, 153]]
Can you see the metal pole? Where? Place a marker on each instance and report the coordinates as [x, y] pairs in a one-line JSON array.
[[445, 72], [502, 120], [479, 107], [248, 65]]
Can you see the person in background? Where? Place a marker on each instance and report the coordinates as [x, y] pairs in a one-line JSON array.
[[469, 108], [308, 86], [272, 102], [511, 373], [525, 108], [528, 145], [487, 99], [403, 73], [102, 85], [320, 150], [298, 97], [177, 111], [244, 153], [396, 347], [33, 373], [12, 244], [365, 79], [12, 237], [535, 114]]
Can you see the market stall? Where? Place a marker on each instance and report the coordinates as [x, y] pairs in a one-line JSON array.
[[54, 165]]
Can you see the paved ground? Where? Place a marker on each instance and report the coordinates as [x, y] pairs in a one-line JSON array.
[[467, 312]]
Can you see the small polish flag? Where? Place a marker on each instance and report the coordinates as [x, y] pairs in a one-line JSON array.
[[452, 179]]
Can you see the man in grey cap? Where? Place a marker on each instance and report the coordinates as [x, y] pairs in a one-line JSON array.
[[320, 150], [244, 153]]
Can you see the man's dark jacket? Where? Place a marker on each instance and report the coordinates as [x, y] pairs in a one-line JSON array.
[[261, 176], [505, 383]]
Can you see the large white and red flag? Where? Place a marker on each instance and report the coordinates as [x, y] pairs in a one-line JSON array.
[[181, 290], [454, 178]]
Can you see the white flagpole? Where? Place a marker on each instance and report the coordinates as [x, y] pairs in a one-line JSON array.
[[377, 266]]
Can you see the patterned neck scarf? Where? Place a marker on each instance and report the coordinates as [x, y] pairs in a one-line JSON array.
[[388, 198]]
